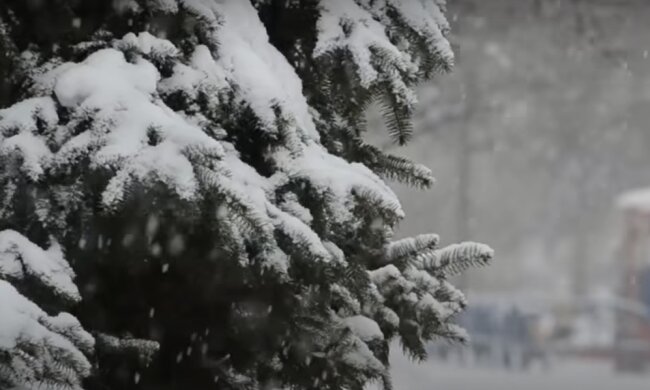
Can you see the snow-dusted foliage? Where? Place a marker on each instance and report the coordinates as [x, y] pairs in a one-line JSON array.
[[364, 30], [391, 45], [201, 165], [38, 350]]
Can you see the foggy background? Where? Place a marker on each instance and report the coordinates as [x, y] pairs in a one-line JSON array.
[[544, 122]]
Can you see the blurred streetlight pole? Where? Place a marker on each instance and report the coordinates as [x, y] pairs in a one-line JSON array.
[[465, 151], [464, 202]]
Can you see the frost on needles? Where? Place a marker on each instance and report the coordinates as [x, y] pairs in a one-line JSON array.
[[189, 179]]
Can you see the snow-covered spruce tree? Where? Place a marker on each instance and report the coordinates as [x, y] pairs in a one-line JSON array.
[[200, 165]]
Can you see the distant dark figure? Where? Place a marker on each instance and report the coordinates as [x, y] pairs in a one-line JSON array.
[[516, 339]]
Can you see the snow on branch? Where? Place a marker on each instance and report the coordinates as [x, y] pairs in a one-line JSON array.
[[18, 125], [262, 75], [375, 34], [20, 258], [345, 25], [456, 258], [365, 328], [143, 350], [411, 246], [37, 349]]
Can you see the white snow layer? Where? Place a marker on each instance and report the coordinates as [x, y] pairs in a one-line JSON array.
[[21, 321], [20, 258], [133, 133], [120, 96], [262, 74], [18, 125], [362, 28], [361, 357], [365, 328], [30, 336], [366, 33]]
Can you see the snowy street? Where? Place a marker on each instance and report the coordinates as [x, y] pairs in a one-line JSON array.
[[564, 375]]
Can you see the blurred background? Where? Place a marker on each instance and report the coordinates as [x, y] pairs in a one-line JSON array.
[[540, 141]]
